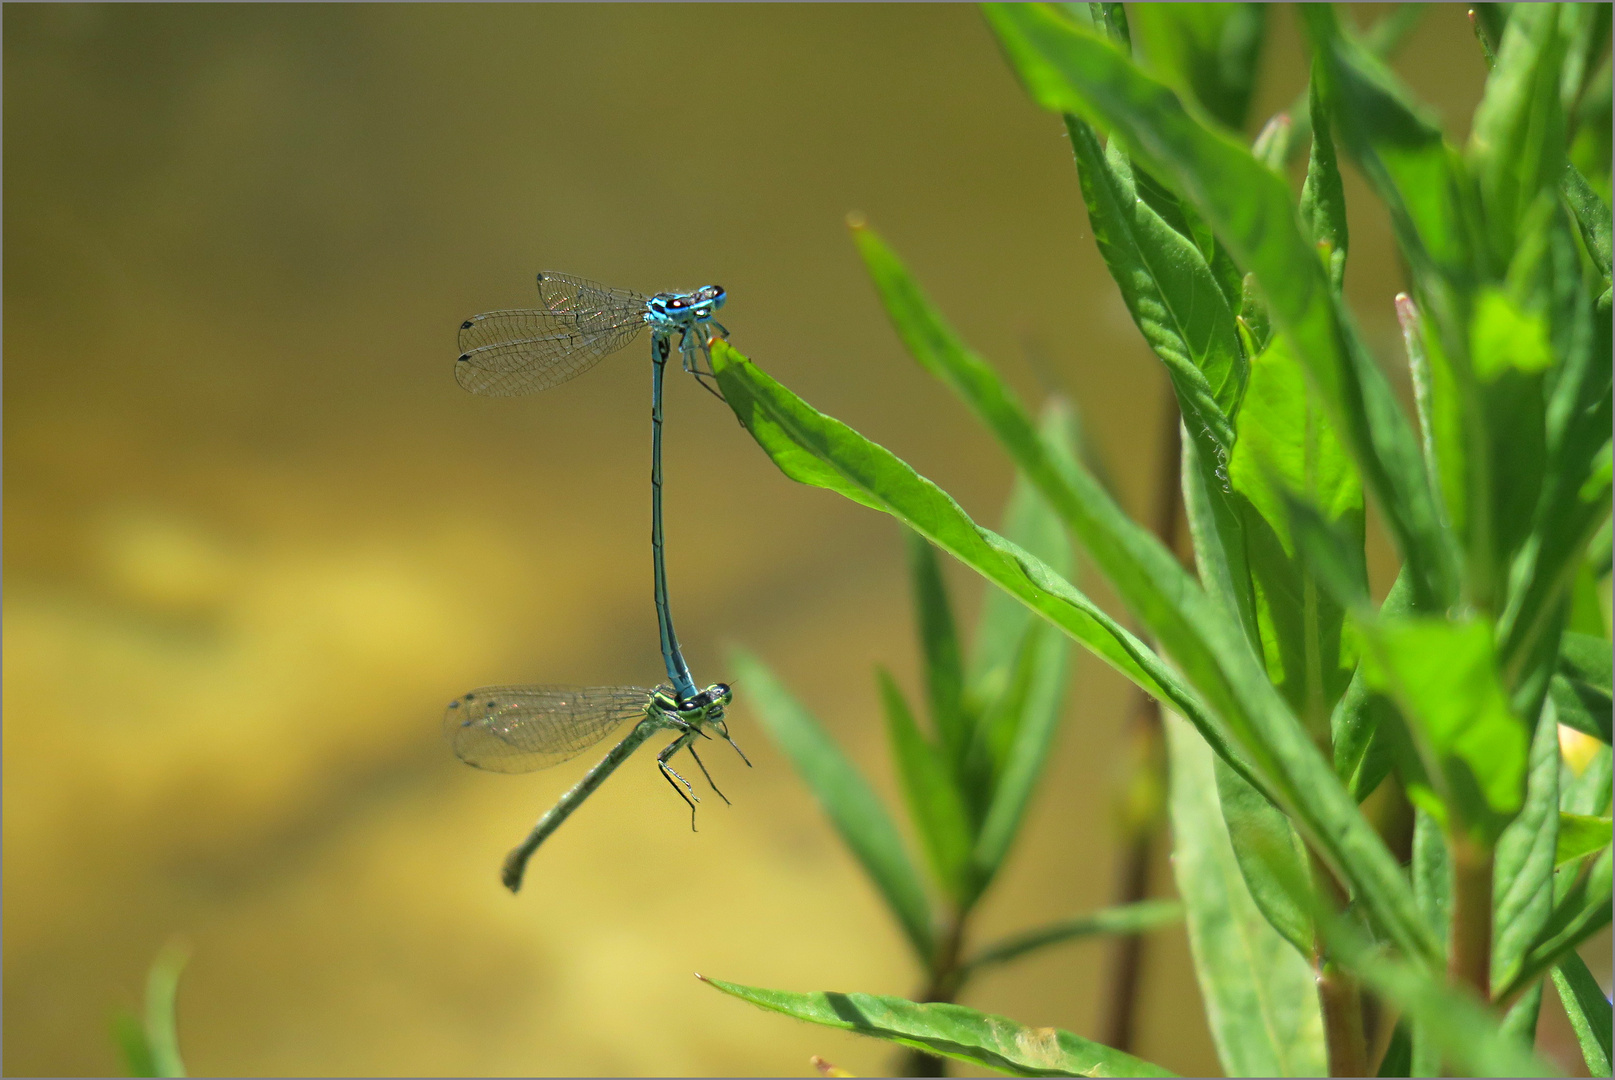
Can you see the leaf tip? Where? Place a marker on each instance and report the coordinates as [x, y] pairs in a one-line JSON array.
[[856, 220]]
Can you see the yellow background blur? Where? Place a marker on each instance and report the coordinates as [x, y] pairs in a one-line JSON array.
[[255, 535]]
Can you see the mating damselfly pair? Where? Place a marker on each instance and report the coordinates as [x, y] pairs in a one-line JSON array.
[[517, 729]]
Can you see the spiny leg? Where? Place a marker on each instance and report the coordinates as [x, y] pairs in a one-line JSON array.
[[708, 775], [675, 780], [738, 750]]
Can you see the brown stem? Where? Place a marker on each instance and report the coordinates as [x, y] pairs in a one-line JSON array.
[[1342, 1005], [1149, 767], [1469, 955], [946, 979]]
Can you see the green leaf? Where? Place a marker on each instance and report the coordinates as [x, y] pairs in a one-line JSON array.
[[1358, 726], [151, 1046], [1165, 280], [1260, 1000], [939, 646], [1504, 338], [1032, 524], [852, 806], [1517, 138], [791, 431], [1585, 779], [1582, 909], [1123, 919], [1323, 196], [1209, 52], [1036, 711], [934, 804], [1432, 886], [1589, 1012], [1150, 579], [1444, 676], [1267, 849], [1468, 1034], [1580, 836], [952, 1031], [1211, 650], [1248, 206], [1522, 875], [1581, 688], [1591, 214], [1287, 450]]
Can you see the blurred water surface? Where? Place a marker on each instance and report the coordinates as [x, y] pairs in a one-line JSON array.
[[255, 536]]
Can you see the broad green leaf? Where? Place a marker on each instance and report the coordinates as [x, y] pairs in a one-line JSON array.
[[1323, 197], [952, 1031], [933, 800], [1287, 448], [1150, 579], [1259, 995], [1207, 52], [1248, 206], [1504, 338], [1589, 1012], [851, 805], [1582, 908], [1266, 846], [151, 1045], [1444, 676], [1123, 919], [790, 431], [1522, 875], [1580, 836], [939, 647], [1038, 711], [1468, 1034]]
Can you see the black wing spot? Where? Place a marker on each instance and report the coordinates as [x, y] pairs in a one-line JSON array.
[[467, 324], [455, 704], [462, 358]]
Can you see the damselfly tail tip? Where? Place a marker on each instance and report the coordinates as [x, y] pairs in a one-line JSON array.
[[511, 874]]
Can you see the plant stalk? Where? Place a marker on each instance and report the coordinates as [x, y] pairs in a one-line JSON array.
[[1469, 952], [1149, 766], [946, 978]]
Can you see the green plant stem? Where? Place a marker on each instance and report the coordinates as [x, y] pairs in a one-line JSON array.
[[1149, 767], [1340, 999], [1469, 953], [947, 977]]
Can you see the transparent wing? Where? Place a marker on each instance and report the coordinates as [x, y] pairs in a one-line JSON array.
[[516, 729], [506, 353]]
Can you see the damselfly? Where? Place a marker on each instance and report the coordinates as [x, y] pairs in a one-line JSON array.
[[516, 729], [523, 728]]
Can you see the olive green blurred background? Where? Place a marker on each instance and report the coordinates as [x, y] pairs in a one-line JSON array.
[[255, 535]]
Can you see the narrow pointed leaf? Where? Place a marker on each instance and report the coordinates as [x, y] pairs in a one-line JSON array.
[[851, 805], [1582, 910], [952, 1031], [1207, 51], [1580, 836], [1258, 991], [1123, 919], [934, 803], [939, 646], [1589, 1012]]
